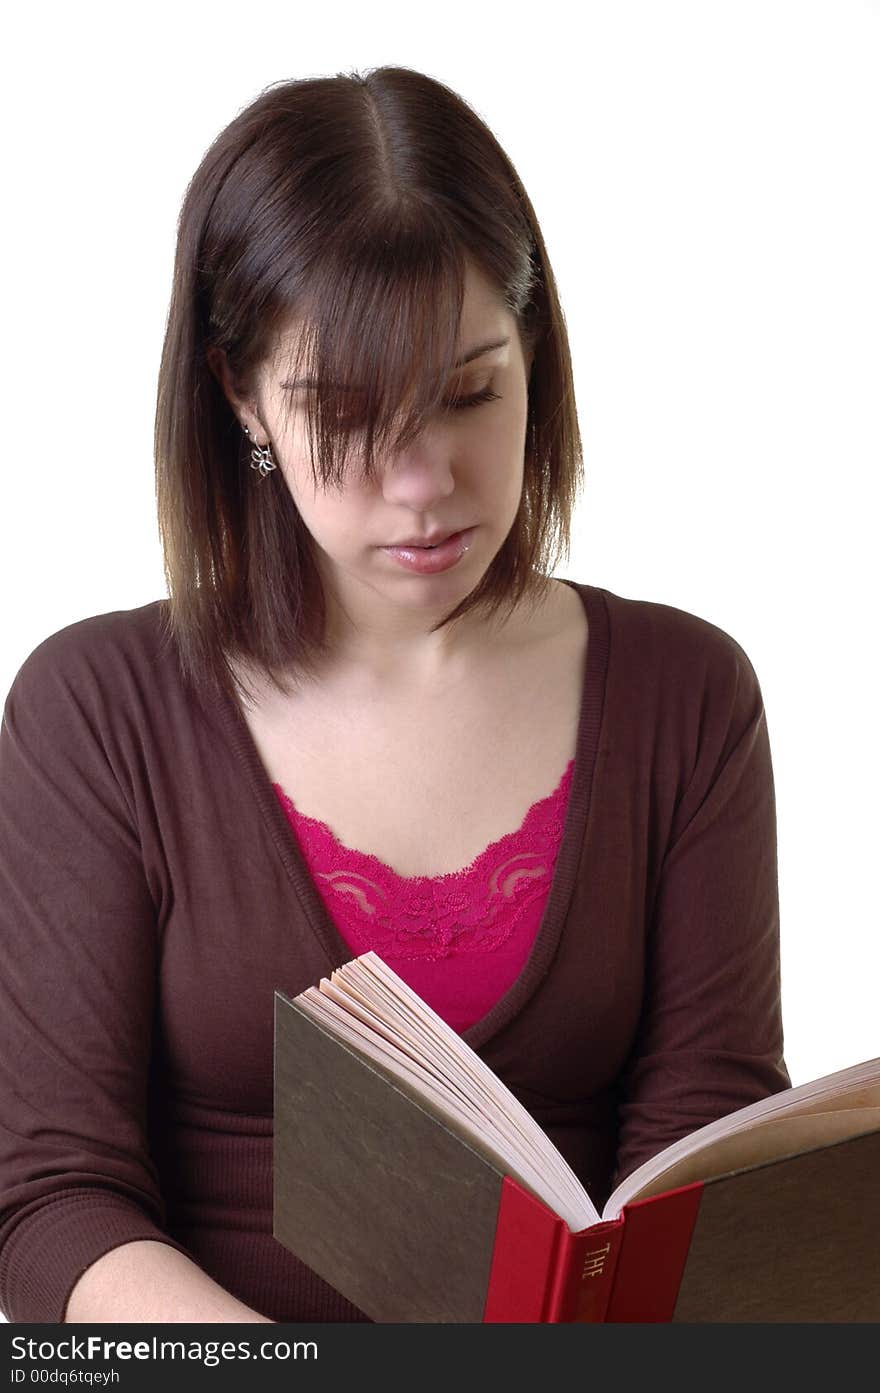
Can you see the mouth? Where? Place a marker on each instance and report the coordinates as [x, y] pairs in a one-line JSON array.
[[428, 543], [428, 558]]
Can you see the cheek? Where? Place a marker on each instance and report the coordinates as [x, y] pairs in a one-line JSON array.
[[499, 452], [335, 519], [501, 469]]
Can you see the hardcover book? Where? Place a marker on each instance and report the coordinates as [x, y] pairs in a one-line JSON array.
[[412, 1180]]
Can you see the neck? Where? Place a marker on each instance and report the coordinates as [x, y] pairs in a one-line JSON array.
[[400, 647], [395, 645]]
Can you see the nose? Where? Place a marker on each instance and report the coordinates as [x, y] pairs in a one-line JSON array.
[[418, 477]]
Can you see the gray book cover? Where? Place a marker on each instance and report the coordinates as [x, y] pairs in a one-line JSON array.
[[371, 1190]]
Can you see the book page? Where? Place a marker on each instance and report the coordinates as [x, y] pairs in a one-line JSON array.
[[836, 1106], [420, 1030], [373, 1011], [513, 1124], [378, 1044], [462, 1118], [765, 1141]]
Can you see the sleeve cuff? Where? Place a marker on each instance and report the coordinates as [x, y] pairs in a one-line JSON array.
[[49, 1249]]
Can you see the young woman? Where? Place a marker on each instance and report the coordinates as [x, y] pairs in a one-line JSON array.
[[367, 716]]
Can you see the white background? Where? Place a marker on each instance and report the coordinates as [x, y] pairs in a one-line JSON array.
[[706, 176]]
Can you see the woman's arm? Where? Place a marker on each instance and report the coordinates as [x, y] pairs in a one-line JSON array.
[[711, 1038], [78, 996], [149, 1281]]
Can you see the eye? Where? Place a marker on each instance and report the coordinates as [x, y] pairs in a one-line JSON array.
[[352, 421], [476, 399]]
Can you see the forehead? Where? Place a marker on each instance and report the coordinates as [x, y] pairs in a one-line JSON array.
[[483, 309]]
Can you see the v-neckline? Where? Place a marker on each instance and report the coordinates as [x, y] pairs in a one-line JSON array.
[[356, 859], [568, 858]]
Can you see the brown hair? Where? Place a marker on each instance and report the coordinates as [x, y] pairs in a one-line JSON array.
[[354, 202]]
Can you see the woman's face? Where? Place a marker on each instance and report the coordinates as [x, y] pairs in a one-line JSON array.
[[464, 473]]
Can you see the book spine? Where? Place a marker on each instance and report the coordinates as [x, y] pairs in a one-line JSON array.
[[542, 1272], [585, 1273]]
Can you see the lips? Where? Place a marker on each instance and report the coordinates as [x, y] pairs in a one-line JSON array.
[[427, 543], [430, 560]]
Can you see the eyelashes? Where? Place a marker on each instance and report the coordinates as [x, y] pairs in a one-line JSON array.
[[476, 399]]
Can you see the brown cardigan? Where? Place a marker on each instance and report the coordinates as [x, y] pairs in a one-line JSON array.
[[152, 898]]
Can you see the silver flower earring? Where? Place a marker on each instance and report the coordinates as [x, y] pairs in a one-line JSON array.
[[261, 456]]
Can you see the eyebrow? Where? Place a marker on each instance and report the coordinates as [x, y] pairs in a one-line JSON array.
[[478, 352], [472, 353]]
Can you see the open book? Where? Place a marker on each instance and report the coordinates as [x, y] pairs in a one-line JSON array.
[[412, 1180]]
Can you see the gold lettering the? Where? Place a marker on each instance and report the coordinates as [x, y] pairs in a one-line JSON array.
[[594, 1261]]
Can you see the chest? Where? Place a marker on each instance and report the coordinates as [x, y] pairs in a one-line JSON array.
[[425, 781]]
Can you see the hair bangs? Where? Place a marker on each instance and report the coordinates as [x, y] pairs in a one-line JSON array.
[[374, 355]]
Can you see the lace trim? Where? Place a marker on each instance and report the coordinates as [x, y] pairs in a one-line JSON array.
[[475, 909]]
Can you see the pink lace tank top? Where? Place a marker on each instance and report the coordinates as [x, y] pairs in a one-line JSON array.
[[459, 940]]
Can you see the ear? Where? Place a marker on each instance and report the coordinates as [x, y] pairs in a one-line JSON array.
[[242, 407], [220, 368]]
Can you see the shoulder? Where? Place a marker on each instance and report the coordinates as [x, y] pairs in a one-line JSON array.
[[89, 703], [94, 657], [653, 639], [675, 677]]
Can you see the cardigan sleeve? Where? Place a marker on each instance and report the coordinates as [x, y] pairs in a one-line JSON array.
[[710, 1037], [78, 963]]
